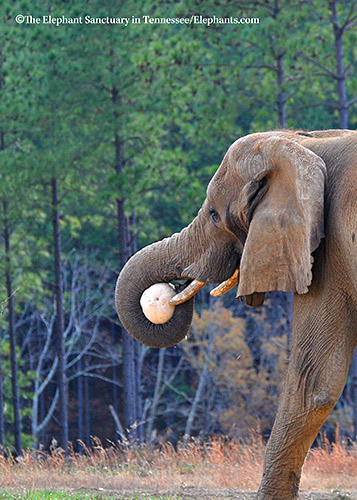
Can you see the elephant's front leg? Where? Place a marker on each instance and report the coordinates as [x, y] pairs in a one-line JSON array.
[[316, 376], [293, 432]]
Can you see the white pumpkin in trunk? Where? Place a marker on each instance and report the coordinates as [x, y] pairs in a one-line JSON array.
[[155, 303]]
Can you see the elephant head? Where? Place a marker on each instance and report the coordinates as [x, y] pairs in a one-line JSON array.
[[263, 216]]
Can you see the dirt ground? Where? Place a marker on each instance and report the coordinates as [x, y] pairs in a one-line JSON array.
[[193, 493]]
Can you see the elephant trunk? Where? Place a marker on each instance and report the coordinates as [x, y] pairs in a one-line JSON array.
[[156, 263]]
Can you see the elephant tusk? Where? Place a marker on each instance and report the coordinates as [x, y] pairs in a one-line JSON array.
[[187, 292], [225, 286]]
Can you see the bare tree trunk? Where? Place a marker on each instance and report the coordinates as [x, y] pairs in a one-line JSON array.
[[133, 248], [199, 392], [129, 372], [289, 309], [139, 399], [87, 409], [40, 438], [156, 396], [280, 73], [80, 406], [41, 416], [59, 328], [129, 383], [341, 73], [2, 422], [118, 426], [115, 389], [12, 333], [281, 94]]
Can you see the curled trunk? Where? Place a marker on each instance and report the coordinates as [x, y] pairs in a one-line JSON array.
[[156, 263]]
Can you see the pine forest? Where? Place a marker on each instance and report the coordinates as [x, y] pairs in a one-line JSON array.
[[109, 135]]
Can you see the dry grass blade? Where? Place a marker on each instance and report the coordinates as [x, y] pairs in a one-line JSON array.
[[216, 463]]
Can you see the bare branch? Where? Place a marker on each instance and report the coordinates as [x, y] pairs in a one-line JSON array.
[[351, 25], [351, 101], [180, 393], [88, 373], [119, 427], [49, 415], [327, 71], [349, 18], [48, 379], [172, 376]]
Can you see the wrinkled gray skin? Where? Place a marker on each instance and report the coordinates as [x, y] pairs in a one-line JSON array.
[[277, 198]]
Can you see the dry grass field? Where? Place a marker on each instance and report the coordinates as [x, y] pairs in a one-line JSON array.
[[216, 469]]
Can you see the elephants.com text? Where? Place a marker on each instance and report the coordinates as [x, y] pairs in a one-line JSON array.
[[125, 21]]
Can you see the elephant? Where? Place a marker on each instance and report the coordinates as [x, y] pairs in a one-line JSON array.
[[279, 214]]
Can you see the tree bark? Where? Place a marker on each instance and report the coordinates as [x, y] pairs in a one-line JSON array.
[[280, 73], [129, 385], [87, 409], [156, 396], [129, 372], [59, 327], [133, 248], [40, 438], [281, 94], [2, 422], [199, 392], [80, 407], [138, 388], [341, 73], [115, 389], [41, 415], [118, 426], [12, 332]]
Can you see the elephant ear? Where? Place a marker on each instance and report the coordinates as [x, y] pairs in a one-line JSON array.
[[287, 224]]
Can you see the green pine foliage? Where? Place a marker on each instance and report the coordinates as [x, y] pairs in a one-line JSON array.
[[143, 114]]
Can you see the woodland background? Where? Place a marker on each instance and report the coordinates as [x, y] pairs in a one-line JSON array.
[[108, 138]]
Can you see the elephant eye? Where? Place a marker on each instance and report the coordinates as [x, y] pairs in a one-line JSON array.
[[214, 215]]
